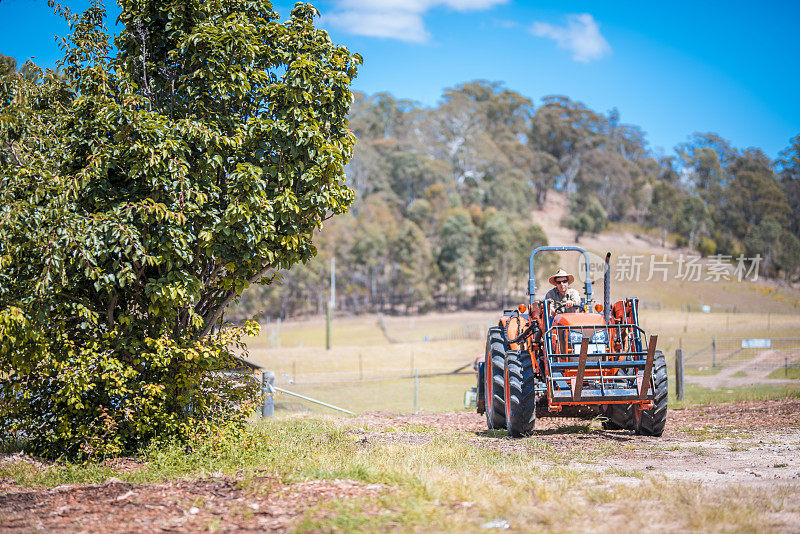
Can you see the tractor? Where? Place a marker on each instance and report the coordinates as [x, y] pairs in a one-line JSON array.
[[546, 360]]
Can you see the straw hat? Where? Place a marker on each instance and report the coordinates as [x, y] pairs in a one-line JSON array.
[[561, 273]]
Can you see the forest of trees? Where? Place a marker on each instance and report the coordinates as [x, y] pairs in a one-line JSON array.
[[444, 195]]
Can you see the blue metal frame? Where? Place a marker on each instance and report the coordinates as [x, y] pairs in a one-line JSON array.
[[532, 279]]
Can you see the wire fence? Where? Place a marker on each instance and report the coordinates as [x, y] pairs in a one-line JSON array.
[[761, 354], [395, 390]]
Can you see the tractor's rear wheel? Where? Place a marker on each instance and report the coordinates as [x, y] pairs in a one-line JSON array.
[[521, 410], [651, 422], [494, 370]]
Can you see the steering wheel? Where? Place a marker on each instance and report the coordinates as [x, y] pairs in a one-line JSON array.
[[563, 307], [560, 307]]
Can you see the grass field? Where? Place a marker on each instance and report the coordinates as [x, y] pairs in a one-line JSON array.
[[712, 471], [792, 372], [355, 373]]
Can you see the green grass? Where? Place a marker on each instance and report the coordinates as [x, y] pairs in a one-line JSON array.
[[699, 395], [791, 372], [702, 371], [452, 482], [361, 351], [434, 394]]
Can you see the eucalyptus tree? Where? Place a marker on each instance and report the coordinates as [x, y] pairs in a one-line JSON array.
[[789, 165]]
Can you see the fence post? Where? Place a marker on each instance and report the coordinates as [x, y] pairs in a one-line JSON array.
[[328, 327], [267, 391], [679, 386], [714, 351], [415, 390]]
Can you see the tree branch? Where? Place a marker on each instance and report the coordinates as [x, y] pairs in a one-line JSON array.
[[211, 321]]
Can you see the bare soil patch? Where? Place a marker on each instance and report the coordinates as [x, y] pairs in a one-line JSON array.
[[727, 445], [753, 442], [222, 504]]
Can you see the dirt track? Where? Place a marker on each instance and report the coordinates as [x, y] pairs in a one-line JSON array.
[[746, 443], [749, 373], [743, 442]]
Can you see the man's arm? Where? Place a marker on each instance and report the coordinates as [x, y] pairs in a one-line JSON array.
[[573, 296]]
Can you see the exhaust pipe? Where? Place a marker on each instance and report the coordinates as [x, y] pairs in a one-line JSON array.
[[607, 290]]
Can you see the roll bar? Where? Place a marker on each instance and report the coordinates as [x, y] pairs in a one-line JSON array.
[[532, 278]]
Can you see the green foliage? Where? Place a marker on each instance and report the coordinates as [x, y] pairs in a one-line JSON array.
[[706, 246], [586, 216], [485, 148], [504, 245], [788, 257], [140, 195], [459, 245], [414, 266]]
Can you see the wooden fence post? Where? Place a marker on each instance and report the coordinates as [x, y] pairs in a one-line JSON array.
[[679, 385]]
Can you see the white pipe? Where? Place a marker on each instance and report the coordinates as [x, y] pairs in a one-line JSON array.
[[309, 399]]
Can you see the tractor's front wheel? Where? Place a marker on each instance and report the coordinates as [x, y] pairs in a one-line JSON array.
[[494, 371], [619, 417], [651, 422], [521, 408]]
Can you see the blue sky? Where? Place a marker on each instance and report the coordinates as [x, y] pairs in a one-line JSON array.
[[671, 68]]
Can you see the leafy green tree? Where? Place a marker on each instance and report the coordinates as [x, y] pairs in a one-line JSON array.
[[752, 195], [140, 195], [627, 140], [789, 165], [692, 219], [414, 260], [586, 216], [610, 178], [511, 191], [663, 208], [504, 245], [544, 171], [496, 244], [566, 130], [456, 259], [788, 257], [410, 174], [375, 229], [8, 65], [764, 239]]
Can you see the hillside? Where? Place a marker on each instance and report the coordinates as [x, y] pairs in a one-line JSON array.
[[442, 196], [762, 296]]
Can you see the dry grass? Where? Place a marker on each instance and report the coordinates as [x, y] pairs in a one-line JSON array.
[[350, 374], [461, 481]]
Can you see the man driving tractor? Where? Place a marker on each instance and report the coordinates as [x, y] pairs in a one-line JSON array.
[[562, 293]]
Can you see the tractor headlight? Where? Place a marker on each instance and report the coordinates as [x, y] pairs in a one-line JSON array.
[[600, 336], [575, 336]]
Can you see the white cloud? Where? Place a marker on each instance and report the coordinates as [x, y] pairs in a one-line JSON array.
[[395, 19], [581, 36]]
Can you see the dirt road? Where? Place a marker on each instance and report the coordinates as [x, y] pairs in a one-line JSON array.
[[738, 444], [751, 372]]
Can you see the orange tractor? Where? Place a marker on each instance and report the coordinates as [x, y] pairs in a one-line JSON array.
[[544, 360]]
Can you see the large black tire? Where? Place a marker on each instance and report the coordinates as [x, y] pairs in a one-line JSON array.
[[521, 411], [620, 417], [651, 422], [495, 382]]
